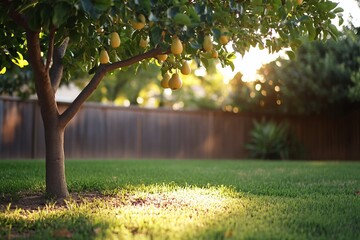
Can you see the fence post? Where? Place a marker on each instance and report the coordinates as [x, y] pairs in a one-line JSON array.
[[34, 130], [139, 133], [1, 123]]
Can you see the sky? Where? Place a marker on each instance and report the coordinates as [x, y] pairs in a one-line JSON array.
[[351, 8], [251, 62]]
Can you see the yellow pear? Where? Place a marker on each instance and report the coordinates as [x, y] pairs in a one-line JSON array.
[[175, 82], [165, 80], [115, 40], [143, 43], [185, 68], [224, 39], [138, 25], [141, 18], [162, 57], [214, 54], [104, 57], [207, 44], [176, 46]]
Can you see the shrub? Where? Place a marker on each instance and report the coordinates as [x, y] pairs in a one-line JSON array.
[[271, 140]]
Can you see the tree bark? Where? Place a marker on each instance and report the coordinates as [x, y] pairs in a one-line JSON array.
[[55, 160], [54, 130]]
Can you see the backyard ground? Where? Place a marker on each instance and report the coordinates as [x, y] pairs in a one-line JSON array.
[[183, 199]]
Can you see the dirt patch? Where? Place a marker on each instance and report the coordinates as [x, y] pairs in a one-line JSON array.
[[24, 201], [39, 201], [35, 201]]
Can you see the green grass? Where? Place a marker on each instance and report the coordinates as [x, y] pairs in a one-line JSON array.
[[158, 199]]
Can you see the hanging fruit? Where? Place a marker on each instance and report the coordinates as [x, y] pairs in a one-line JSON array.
[[162, 57], [115, 40], [224, 39], [104, 57], [139, 23], [143, 43], [207, 44], [176, 46], [185, 68], [165, 80], [214, 54], [175, 82]]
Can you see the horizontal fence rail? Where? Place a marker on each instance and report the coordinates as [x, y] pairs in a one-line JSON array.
[[99, 131]]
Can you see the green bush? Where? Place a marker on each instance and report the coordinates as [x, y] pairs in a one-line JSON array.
[[271, 140]]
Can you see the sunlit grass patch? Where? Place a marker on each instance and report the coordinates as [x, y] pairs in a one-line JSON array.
[[135, 212]]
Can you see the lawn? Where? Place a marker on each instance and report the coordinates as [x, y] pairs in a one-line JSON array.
[[183, 199]]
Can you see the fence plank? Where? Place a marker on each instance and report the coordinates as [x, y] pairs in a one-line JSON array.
[[99, 131]]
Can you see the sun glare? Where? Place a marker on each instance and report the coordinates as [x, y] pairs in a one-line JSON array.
[[248, 64]]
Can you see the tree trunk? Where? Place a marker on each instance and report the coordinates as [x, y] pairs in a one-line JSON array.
[[55, 160], [54, 128]]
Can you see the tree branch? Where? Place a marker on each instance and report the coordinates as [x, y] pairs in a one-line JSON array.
[[150, 54], [51, 48], [74, 107], [57, 68], [45, 93]]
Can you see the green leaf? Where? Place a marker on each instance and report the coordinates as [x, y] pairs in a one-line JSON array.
[[205, 62], [256, 2], [231, 56], [291, 55], [89, 7], [45, 13], [144, 6], [61, 13], [103, 5], [34, 19], [216, 33], [341, 21], [193, 15], [182, 19], [258, 10], [231, 64], [195, 45], [155, 35], [311, 30], [338, 10], [282, 13], [113, 56], [326, 6], [173, 11], [334, 32]]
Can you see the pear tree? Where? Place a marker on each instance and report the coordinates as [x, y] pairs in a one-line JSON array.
[[60, 37]]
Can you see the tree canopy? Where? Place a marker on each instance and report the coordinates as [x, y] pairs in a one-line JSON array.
[[88, 24]]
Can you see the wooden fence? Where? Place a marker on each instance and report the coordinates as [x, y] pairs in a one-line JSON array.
[[100, 131]]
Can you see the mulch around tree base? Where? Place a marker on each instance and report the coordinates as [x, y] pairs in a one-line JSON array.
[[35, 201]]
